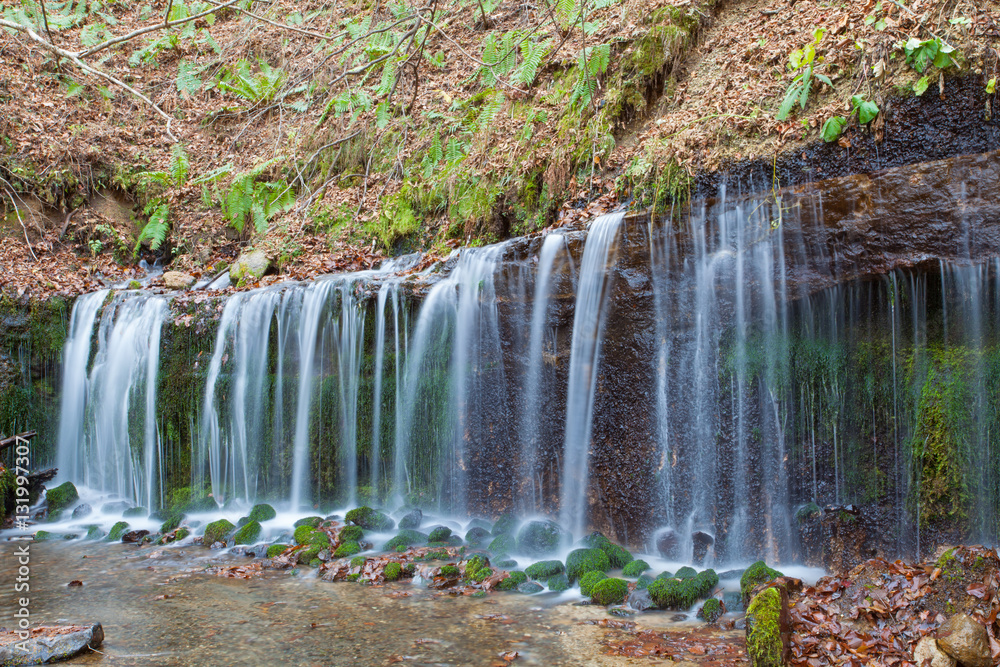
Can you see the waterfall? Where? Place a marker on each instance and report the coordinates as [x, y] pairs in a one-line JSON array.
[[455, 347], [531, 438], [588, 319], [112, 444], [388, 293], [350, 340]]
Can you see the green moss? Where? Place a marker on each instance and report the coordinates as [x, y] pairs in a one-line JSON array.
[[506, 564], [478, 569], [581, 561], [544, 569], [94, 533], [763, 630], [673, 593], [405, 538], [808, 511], [558, 583], [134, 512], [217, 531], [347, 549], [505, 525], [117, 531], [618, 556], [358, 561], [643, 581], [171, 521], [686, 573], [476, 536], [276, 550], [609, 591], [61, 497], [262, 512], [393, 571], [353, 577], [351, 534], [439, 534], [756, 574], [43, 535], [370, 519], [589, 580], [711, 610], [512, 581], [635, 568], [248, 534], [303, 533], [310, 521], [315, 562], [502, 544], [181, 534], [450, 571]]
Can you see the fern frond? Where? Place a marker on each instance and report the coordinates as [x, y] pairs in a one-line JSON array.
[[155, 230], [179, 165]]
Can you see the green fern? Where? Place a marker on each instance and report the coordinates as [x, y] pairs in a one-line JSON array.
[[249, 199], [566, 11], [455, 151], [532, 54], [156, 228], [258, 88], [179, 165], [593, 63], [490, 111]]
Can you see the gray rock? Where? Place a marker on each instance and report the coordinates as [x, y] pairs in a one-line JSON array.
[[530, 587], [249, 267], [965, 640], [134, 536], [639, 600], [177, 280], [928, 654], [541, 538], [412, 520], [49, 644], [82, 510], [668, 543]]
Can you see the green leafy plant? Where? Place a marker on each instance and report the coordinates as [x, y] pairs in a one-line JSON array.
[[594, 61], [257, 88], [921, 54], [866, 110], [258, 201], [991, 86], [804, 61]]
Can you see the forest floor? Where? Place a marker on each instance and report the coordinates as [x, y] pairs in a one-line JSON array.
[[334, 134]]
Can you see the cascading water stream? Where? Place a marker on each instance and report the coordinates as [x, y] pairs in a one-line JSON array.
[[530, 435], [117, 447], [588, 319]]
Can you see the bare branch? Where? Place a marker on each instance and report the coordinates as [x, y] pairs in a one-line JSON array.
[[285, 26], [45, 19]]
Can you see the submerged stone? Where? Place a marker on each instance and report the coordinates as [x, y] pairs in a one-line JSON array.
[[117, 507], [530, 588], [50, 644], [135, 512], [505, 525], [639, 600], [439, 534], [82, 510], [558, 583]]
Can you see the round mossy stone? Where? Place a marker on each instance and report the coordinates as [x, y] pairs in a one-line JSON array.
[[347, 549], [370, 519], [248, 534], [476, 536], [351, 534], [618, 556], [181, 534], [134, 512], [756, 574], [635, 568], [303, 533], [117, 531], [506, 564], [558, 583], [217, 531], [764, 644], [262, 512], [311, 521], [439, 534], [393, 571], [276, 550], [581, 561], [544, 569], [502, 545], [711, 611], [588, 580], [530, 588], [643, 582], [405, 538], [505, 525], [609, 591], [450, 571], [541, 538], [513, 580], [412, 520], [61, 496]]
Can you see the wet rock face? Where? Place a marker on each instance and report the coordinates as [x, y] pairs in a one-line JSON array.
[[965, 640], [668, 544], [702, 542]]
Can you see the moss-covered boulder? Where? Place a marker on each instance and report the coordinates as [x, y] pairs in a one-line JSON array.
[[43, 536], [635, 568], [450, 571], [558, 583], [506, 563], [686, 573], [405, 538], [589, 580], [512, 581], [276, 550], [545, 569], [94, 533], [765, 646], [541, 538], [347, 549], [502, 545], [170, 521], [181, 533], [478, 568], [617, 555], [262, 512], [753, 576], [477, 536], [671, 594], [370, 519], [609, 591], [217, 531], [351, 534], [712, 610], [505, 525], [439, 534], [310, 521], [412, 520], [643, 582], [303, 533], [248, 534], [133, 512], [61, 497], [530, 588], [117, 531], [581, 561], [392, 571]]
